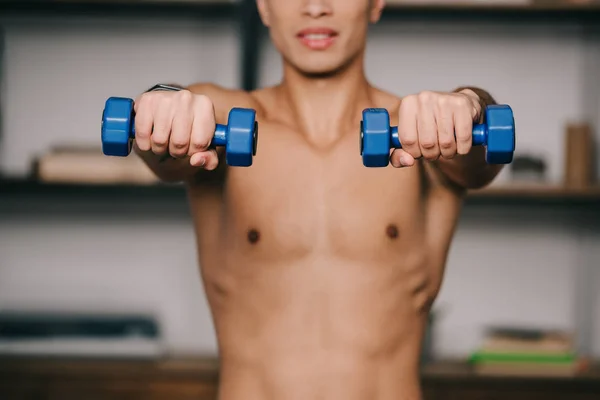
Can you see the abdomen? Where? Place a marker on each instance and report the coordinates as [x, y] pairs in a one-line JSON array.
[[321, 323]]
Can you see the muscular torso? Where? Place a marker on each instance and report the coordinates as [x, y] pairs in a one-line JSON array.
[[320, 272]]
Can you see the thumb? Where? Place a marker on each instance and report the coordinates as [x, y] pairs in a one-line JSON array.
[[401, 159], [208, 160]]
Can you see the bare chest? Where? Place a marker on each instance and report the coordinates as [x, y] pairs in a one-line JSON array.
[[299, 199]]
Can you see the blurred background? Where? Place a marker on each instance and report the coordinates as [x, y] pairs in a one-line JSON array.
[[100, 293]]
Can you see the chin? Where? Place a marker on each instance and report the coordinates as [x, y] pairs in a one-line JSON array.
[[320, 68]]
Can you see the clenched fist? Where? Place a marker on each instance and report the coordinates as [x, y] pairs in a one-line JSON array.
[[178, 124], [433, 125]]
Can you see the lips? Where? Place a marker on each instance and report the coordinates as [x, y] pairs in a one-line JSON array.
[[317, 38]]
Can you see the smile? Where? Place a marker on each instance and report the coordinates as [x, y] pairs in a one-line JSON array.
[[317, 38]]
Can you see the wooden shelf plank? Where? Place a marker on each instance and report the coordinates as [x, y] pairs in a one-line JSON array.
[[530, 194], [212, 8], [393, 7], [537, 191], [536, 6], [555, 11]]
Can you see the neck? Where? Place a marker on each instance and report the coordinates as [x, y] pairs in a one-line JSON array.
[[326, 106]]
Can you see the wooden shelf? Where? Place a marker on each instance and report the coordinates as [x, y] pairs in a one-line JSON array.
[[25, 378], [537, 194], [113, 6], [558, 8], [495, 195], [33, 188], [535, 6], [556, 11]]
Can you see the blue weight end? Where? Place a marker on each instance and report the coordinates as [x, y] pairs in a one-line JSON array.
[[501, 140], [242, 137], [117, 127], [375, 138]]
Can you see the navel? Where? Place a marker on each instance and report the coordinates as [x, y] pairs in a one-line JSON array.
[[392, 231], [253, 236]]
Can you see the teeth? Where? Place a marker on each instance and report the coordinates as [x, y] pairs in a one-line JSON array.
[[317, 36]]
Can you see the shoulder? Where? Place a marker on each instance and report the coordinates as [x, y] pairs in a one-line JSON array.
[[224, 99]]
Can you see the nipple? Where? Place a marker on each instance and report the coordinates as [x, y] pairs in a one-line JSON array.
[[253, 236], [392, 231]]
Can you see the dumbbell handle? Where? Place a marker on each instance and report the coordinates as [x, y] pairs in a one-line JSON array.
[[219, 139], [480, 133]]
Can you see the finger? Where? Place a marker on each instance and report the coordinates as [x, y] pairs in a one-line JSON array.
[[463, 127], [208, 160], [428, 134], [203, 125], [163, 119], [143, 124], [445, 127], [181, 129], [400, 159], [407, 127]]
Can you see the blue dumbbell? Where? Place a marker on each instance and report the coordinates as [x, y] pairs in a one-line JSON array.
[[497, 134], [239, 136]]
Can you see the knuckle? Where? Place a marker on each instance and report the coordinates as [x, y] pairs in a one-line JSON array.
[[185, 96], [446, 144], [142, 134], [203, 142], [408, 142], [428, 144], [146, 98], [426, 96], [159, 141], [408, 103], [179, 143]]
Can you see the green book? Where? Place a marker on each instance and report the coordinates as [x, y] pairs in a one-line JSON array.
[[534, 358]]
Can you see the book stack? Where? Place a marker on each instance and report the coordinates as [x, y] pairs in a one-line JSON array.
[[527, 352], [84, 165]]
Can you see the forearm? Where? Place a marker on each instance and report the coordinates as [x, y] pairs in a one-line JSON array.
[[471, 171]]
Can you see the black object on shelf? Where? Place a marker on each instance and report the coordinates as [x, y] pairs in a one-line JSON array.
[[33, 188], [23, 326], [528, 168]]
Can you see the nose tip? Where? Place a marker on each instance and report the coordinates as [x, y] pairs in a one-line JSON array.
[[316, 9]]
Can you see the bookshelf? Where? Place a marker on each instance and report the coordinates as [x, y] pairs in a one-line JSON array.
[[20, 197]]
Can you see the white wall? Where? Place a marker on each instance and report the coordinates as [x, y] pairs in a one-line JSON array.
[[505, 264]]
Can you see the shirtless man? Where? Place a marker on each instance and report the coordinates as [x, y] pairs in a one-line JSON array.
[[319, 272]]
